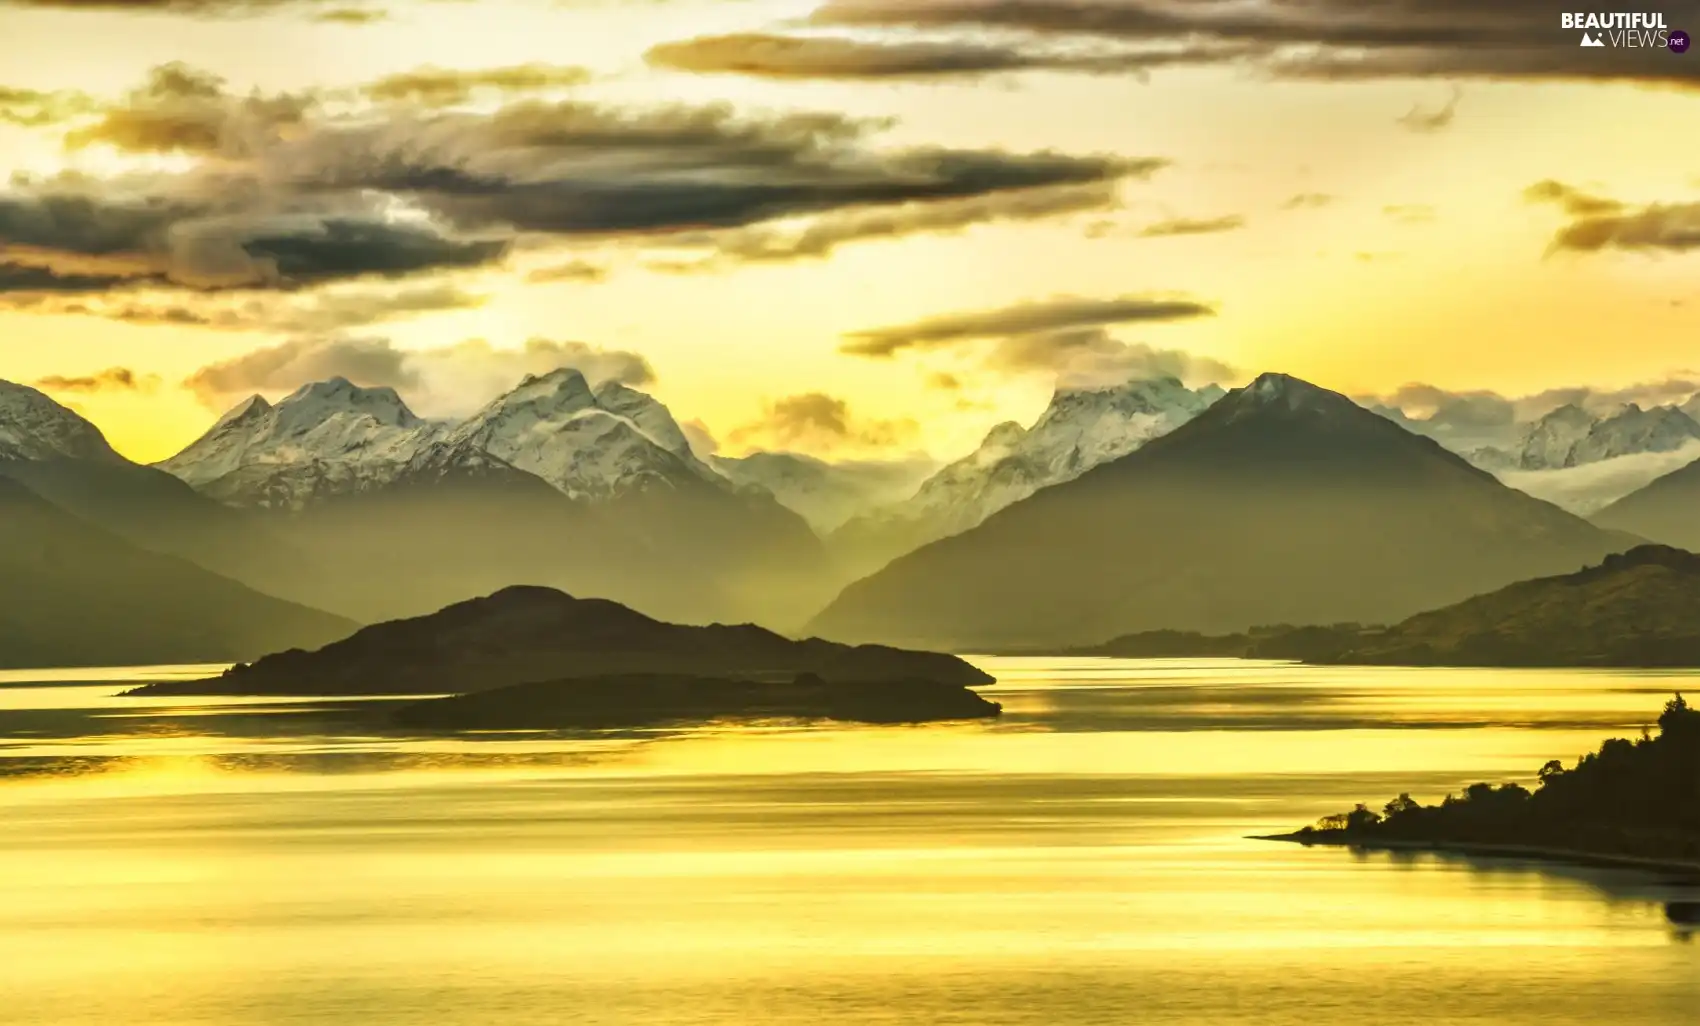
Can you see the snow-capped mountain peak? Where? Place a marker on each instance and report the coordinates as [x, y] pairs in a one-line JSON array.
[[338, 395], [590, 445], [1080, 429], [253, 407], [649, 414], [1285, 392], [34, 427], [1550, 439], [1634, 430], [1572, 437], [325, 437]]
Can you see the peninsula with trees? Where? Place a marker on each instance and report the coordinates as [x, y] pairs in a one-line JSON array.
[[1631, 803]]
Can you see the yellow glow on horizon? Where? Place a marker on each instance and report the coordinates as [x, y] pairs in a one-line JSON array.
[[1342, 294]]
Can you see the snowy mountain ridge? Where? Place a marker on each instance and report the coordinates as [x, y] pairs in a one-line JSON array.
[[1079, 430], [34, 427], [326, 438], [333, 438]]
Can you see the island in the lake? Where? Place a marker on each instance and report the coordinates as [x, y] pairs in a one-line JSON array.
[[1639, 608], [537, 658], [1632, 803]]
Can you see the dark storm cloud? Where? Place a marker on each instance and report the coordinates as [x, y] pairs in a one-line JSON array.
[[333, 249], [825, 234], [289, 197], [765, 55], [1064, 313], [1331, 39], [34, 279], [1192, 226], [636, 180], [77, 216], [81, 231]]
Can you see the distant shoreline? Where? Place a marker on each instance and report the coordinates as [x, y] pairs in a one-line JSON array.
[[1533, 853]]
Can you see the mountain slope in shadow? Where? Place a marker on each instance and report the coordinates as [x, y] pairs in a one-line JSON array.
[[1282, 503], [77, 595]]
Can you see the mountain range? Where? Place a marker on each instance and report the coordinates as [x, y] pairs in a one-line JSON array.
[[1281, 503], [1580, 458], [553, 483], [1139, 507]]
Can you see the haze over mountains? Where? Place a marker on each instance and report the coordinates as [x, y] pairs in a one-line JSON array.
[[76, 595], [1283, 502], [1142, 506], [551, 483], [1581, 457]]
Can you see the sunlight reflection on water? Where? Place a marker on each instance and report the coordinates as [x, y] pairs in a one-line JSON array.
[[1081, 861]]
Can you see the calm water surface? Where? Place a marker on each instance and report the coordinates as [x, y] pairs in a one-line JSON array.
[[1082, 861]]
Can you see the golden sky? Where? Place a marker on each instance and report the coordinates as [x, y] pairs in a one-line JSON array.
[[1349, 196]]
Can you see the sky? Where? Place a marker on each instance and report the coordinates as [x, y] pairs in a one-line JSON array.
[[857, 228]]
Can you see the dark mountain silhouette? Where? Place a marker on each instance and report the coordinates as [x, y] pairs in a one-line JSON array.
[[156, 511], [57, 454], [458, 521], [1638, 608], [635, 700], [1282, 503], [76, 595], [1667, 510], [528, 634]]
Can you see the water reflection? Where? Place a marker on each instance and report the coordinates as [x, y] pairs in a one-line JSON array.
[[1083, 861]]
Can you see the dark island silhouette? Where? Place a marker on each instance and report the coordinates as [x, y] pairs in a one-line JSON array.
[[1639, 608], [1632, 803], [637, 700], [531, 657]]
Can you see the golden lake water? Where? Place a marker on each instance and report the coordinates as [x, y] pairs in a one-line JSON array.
[[1083, 860]]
